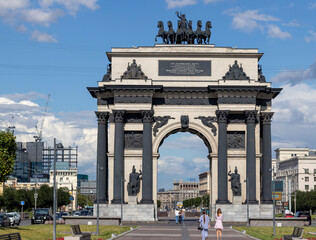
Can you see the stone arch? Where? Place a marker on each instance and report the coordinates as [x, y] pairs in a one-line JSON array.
[[195, 128]]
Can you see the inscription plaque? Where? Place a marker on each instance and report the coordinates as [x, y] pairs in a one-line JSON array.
[[184, 68]]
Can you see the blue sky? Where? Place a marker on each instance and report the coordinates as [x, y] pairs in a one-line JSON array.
[[58, 47]]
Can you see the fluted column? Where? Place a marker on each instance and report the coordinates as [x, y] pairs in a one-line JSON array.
[[102, 158], [251, 117], [266, 157], [118, 155], [222, 157], [147, 162]]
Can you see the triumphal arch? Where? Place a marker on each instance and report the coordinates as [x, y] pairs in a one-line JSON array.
[[184, 84]]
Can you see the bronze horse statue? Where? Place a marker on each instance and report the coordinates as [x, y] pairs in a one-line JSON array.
[[190, 34], [171, 35], [207, 33], [162, 33], [198, 33]]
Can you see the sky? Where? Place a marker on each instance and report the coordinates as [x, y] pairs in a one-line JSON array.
[[58, 47]]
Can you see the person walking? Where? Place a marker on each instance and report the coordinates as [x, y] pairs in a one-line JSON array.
[[219, 224], [180, 216], [205, 224], [176, 213]]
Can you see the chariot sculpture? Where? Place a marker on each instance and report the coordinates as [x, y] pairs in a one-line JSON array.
[[184, 33]]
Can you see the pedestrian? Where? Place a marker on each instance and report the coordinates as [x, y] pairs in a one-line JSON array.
[[180, 215], [176, 213], [219, 224], [205, 224]]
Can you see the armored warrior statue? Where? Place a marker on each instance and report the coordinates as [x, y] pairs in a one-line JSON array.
[[235, 182], [133, 185]]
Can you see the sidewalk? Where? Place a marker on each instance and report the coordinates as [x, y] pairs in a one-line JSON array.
[[172, 231]]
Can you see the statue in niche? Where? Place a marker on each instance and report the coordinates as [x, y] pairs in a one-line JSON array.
[[236, 72], [235, 182], [133, 185], [134, 71]]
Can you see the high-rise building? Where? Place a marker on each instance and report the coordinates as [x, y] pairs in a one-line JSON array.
[[34, 161]]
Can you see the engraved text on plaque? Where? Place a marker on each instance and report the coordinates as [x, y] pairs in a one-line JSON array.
[[184, 68]]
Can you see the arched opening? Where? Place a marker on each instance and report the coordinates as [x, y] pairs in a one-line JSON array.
[[184, 171]]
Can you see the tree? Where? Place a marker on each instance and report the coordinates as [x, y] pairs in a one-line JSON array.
[[7, 154], [45, 196], [158, 203], [63, 196], [10, 199], [83, 200], [197, 201], [206, 200]]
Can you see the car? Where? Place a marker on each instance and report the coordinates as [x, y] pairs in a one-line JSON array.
[[4, 220], [304, 214], [15, 218], [288, 215], [41, 215], [76, 213], [59, 216], [84, 213]]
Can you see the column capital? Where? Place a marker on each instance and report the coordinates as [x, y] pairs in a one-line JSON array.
[[147, 116], [119, 115], [222, 116], [266, 117], [251, 116], [102, 117]]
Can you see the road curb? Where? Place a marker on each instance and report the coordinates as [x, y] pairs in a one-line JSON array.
[[124, 233], [245, 234]]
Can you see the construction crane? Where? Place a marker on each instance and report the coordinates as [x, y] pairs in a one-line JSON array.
[[9, 126], [38, 137]]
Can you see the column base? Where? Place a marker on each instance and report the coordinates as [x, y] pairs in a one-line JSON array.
[[251, 202], [144, 201], [267, 202], [116, 201], [223, 202]]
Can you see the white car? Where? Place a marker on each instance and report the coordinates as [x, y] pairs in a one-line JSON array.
[[15, 218]]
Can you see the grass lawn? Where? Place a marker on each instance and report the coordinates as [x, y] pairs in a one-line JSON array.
[[45, 231], [266, 233]]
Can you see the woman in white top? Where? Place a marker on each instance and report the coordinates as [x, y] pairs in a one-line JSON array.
[[205, 224]]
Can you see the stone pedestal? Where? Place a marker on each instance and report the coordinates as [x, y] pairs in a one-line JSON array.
[[132, 200], [237, 200], [238, 212], [131, 212]]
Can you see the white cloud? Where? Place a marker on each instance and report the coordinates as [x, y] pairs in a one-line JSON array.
[[13, 4], [296, 76], [171, 165], [71, 5], [312, 5], [24, 14], [41, 17], [292, 23], [295, 117], [180, 3], [311, 37], [71, 132], [21, 28], [275, 32], [249, 20], [211, 1], [42, 37]]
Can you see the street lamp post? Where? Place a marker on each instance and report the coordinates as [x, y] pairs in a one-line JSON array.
[[273, 190], [247, 186], [122, 200], [55, 195]]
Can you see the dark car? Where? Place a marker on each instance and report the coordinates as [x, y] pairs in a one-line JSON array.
[[41, 215], [84, 213], [304, 214], [59, 216], [4, 220]]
